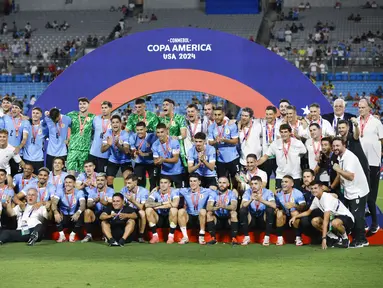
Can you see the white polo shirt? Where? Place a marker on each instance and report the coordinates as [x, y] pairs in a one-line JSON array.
[[259, 173], [7, 154], [288, 158], [251, 141], [328, 203], [357, 187], [372, 134], [313, 151], [31, 216], [269, 134], [327, 129]]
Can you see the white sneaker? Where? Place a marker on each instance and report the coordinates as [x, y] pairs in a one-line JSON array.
[[246, 241], [201, 240], [266, 241], [184, 240], [71, 238], [298, 241], [87, 238], [280, 241], [61, 239]]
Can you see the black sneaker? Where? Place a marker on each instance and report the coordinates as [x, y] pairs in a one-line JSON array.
[[141, 240], [33, 238], [343, 243], [372, 230], [113, 243], [212, 241], [121, 242], [364, 243], [355, 244]]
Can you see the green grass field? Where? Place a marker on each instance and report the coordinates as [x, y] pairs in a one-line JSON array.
[[53, 265]]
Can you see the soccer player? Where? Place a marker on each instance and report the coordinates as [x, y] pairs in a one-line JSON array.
[[290, 202], [201, 160], [30, 220], [18, 132], [118, 221], [117, 142], [299, 128], [194, 125], [251, 171], [68, 206], [6, 192], [98, 199], [162, 209], [313, 145], [58, 128], [33, 152], [221, 209], [224, 137], [336, 215], [136, 197], [141, 144], [283, 104], [288, 152], [194, 214], [142, 115], [327, 129], [250, 135], [80, 136], [257, 210], [6, 105], [101, 124], [371, 138], [22, 179], [166, 154], [57, 176], [86, 181]]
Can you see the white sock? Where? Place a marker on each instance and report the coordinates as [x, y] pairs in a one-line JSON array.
[[266, 238], [72, 234], [172, 225], [280, 237], [202, 232], [62, 234], [247, 237], [155, 234], [184, 232], [171, 235], [344, 235], [298, 237], [89, 234], [151, 224]]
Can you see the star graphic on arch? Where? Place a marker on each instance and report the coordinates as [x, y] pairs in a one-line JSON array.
[[306, 110]]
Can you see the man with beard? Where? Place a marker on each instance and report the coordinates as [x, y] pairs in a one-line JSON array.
[[315, 117], [299, 128], [283, 104], [142, 115], [313, 145], [222, 212], [194, 125], [251, 171], [22, 179]]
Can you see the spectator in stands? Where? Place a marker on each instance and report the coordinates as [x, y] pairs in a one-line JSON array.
[[28, 28], [301, 6], [295, 14], [64, 26], [323, 69], [367, 5], [89, 40], [363, 49], [351, 17], [288, 35], [95, 41], [33, 71], [251, 38], [363, 37], [338, 5], [27, 48], [374, 5], [319, 52], [45, 55], [153, 17], [4, 28], [122, 24], [300, 27], [357, 40], [308, 6], [294, 28], [72, 51], [379, 91], [310, 52], [357, 18], [281, 35], [15, 49], [332, 26]]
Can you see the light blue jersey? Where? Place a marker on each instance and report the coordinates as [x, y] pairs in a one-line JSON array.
[[224, 199], [33, 149], [226, 152], [19, 182], [195, 201], [58, 180], [257, 208], [167, 150], [69, 203], [295, 196], [210, 156], [58, 134], [159, 197], [16, 127], [88, 189], [100, 127], [45, 193], [145, 145], [116, 155], [141, 196], [6, 193], [106, 194]]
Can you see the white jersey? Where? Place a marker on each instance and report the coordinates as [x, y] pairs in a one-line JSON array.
[[327, 129], [313, 150], [328, 203], [30, 216], [7, 154], [250, 139]]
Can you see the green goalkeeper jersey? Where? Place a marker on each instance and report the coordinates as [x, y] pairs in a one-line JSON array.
[[81, 131]]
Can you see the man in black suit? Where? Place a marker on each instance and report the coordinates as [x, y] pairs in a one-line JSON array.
[[339, 114]]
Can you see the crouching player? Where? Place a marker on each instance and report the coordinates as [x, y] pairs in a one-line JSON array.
[[222, 211], [117, 221], [68, 206], [290, 202], [195, 212], [336, 216], [98, 200], [257, 210]]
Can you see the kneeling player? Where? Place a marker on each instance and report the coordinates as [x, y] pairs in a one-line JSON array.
[[118, 221], [195, 213], [336, 215], [290, 202], [98, 200], [257, 210], [162, 209], [221, 209]]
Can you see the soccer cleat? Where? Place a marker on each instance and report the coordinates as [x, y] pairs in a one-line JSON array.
[[355, 244], [201, 240], [343, 243], [87, 238], [71, 238], [364, 243], [212, 241], [246, 241], [266, 241], [184, 240], [170, 240], [366, 228], [280, 241], [154, 239], [372, 230], [234, 241], [121, 242], [141, 240], [61, 239], [33, 238], [113, 243], [298, 241]]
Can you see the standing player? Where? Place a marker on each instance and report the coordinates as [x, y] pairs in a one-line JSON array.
[[7, 152], [166, 154], [80, 137], [194, 125], [327, 129], [33, 152], [101, 124], [288, 152], [201, 160], [136, 197], [162, 209], [313, 145], [257, 210], [141, 144], [299, 128], [68, 206], [224, 136], [22, 179], [117, 142], [283, 104], [98, 199], [57, 176], [58, 128], [290, 202], [194, 214], [142, 115], [252, 170], [221, 209]]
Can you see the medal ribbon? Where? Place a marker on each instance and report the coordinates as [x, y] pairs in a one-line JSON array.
[[16, 125], [286, 150], [363, 125], [195, 200]]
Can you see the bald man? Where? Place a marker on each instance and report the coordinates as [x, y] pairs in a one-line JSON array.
[[339, 114]]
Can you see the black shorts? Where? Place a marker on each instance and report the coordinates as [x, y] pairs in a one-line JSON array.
[[193, 221], [35, 164], [163, 221], [112, 168], [206, 182], [226, 169], [222, 223], [316, 213], [100, 163], [347, 222], [179, 181], [118, 231], [257, 222]]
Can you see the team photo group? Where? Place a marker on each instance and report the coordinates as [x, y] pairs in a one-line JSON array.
[[198, 169]]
